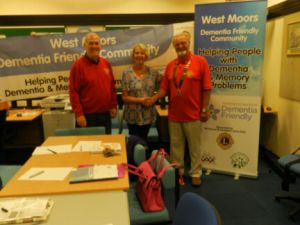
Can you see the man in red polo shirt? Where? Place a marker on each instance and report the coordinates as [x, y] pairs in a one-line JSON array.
[[92, 87], [187, 80]]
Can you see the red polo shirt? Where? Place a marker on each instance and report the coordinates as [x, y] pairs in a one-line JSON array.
[[186, 107], [92, 86]]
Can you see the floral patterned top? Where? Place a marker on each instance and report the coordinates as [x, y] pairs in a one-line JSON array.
[[137, 113]]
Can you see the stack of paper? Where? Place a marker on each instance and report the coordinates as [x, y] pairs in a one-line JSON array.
[[21, 210]]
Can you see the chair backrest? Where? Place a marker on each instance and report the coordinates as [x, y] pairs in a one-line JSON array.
[[137, 215], [290, 167], [80, 131], [169, 177], [7, 172], [139, 154], [120, 120], [288, 159], [192, 209]]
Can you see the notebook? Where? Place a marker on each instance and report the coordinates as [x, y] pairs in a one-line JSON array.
[[25, 210], [94, 173]]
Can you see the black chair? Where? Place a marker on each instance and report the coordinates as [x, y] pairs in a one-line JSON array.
[[291, 169]]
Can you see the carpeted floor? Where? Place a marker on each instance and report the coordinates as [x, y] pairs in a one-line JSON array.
[[248, 201]]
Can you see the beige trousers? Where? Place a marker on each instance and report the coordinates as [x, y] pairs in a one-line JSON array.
[[190, 131]]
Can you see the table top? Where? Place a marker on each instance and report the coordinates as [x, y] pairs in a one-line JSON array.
[[23, 114], [96, 208], [16, 187], [160, 111]]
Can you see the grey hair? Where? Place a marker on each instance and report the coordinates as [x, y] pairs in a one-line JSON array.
[[185, 34], [88, 35]]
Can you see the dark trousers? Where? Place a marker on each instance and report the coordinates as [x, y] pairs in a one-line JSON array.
[[139, 130], [99, 120], [2, 134]]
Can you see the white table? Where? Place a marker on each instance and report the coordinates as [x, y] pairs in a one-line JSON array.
[[94, 208]]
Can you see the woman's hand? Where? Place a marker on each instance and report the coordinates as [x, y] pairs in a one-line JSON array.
[[148, 102]]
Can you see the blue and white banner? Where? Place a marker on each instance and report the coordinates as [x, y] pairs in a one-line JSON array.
[[32, 67], [231, 37]]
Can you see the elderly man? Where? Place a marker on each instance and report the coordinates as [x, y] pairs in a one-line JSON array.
[[187, 80], [92, 87]]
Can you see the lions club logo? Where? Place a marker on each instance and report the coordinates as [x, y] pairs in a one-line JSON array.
[[225, 141]]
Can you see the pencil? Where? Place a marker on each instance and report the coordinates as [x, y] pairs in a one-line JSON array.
[[50, 150], [36, 174], [4, 210]]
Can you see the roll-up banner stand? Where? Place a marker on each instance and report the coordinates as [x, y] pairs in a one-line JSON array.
[[231, 37]]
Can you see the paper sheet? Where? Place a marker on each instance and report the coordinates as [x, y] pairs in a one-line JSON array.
[[87, 146], [105, 171], [29, 113], [53, 149], [46, 173]]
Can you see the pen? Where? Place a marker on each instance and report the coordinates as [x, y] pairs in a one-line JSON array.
[[4, 210], [50, 150], [36, 174]]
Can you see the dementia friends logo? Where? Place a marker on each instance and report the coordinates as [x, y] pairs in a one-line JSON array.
[[213, 112], [238, 111]]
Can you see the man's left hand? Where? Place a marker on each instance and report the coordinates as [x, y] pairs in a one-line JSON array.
[[4, 105], [113, 113], [204, 116]]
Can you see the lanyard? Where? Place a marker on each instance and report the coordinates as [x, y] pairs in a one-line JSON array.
[[185, 68]]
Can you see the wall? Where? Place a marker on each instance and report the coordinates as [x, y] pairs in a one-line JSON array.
[[290, 69], [34, 7], [48, 7], [279, 133]]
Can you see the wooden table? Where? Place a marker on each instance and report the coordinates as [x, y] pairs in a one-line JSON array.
[[16, 187], [93, 203], [162, 124], [24, 128], [161, 112], [23, 114]]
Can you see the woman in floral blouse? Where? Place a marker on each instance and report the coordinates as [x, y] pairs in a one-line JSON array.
[[138, 83]]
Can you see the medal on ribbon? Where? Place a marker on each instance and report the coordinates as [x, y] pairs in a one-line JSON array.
[[185, 68]]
